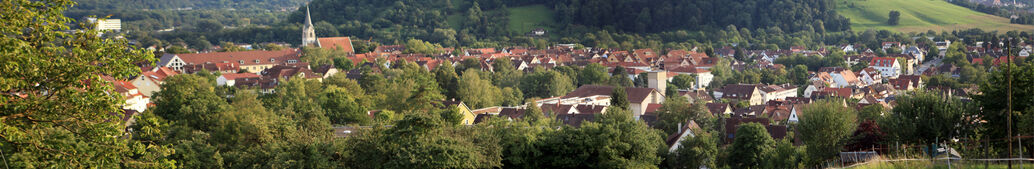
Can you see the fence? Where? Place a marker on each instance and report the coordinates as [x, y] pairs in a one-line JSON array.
[[961, 153]]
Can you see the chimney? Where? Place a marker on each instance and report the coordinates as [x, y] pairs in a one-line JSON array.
[[658, 80], [680, 128]]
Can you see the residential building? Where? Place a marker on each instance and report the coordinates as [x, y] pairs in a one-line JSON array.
[[250, 61], [888, 67]]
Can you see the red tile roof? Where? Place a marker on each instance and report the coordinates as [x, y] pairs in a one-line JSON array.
[[254, 57], [233, 76], [342, 43]]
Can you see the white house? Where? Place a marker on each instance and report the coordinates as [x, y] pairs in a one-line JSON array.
[[229, 79], [888, 67]]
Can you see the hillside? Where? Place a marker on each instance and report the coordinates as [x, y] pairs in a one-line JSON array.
[[920, 16]]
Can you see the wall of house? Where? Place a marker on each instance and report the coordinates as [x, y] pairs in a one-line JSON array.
[[146, 85]]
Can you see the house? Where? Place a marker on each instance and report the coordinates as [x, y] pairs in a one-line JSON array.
[[251, 61], [888, 67], [336, 43], [685, 131], [149, 82], [777, 92], [703, 76], [869, 76], [907, 82], [639, 98], [211, 67], [731, 124], [468, 115], [743, 92], [718, 109], [888, 45], [919, 54], [134, 99], [836, 77], [230, 78]]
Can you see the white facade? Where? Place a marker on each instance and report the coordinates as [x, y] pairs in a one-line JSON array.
[[703, 80]]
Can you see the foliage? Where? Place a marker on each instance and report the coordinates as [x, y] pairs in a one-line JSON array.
[[993, 100], [751, 147], [419, 46], [56, 110], [785, 155], [894, 17], [546, 83], [476, 91], [701, 150], [677, 111], [616, 141], [618, 98], [667, 14], [342, 106], [926, 116], [423, 141], [683, 81], [594, 73], [321, 56], [825, 127]]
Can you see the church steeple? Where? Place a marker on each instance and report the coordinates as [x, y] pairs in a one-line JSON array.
[[308, 33]]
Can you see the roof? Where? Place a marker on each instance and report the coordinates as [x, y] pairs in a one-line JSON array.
[[159, 74], [738, 91], [575, 120], [233, 76], [717, 108], [882, 61], [635, 94], [342, 43], [244, 58]]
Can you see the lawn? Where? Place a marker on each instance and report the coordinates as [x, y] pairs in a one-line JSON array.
[[525, 18], [920, 16]]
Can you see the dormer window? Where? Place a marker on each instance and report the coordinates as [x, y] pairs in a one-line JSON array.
[[256, 61], [292, 61], [272, 60], [241, 61]]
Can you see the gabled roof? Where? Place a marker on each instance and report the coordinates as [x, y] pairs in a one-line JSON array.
[[883, 61], [254, 57], [341, 43], [635, 95], [234, 76]]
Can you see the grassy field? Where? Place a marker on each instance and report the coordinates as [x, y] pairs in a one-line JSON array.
[[525, 18], [920, 16]]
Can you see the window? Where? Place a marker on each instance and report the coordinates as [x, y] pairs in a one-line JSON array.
[[272, 60], [241, 61], [292, 61], [256, 61]]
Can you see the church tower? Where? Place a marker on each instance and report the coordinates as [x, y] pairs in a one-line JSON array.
[[308, 33]]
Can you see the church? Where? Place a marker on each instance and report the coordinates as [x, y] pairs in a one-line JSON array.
[[309, 37]]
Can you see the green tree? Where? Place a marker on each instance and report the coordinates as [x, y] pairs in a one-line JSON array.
[[546, 83], [683, 81], [55, 107], [893, 17], [751, 147], [677, 111], [618, 98], [190, 100], [993, 101], [419, 46], [343, 107], [825, 128], [476, 91], [422, 141], [785, 155], [695, 152], [617, 141], [594, 73], [923, 117]]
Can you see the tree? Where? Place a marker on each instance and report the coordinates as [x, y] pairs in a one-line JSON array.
[[893, 17], [57, 111], [683, 81], [594, 73], [825, 126], [422, 141], [924, 117], [421, 47], [751, 147], [616, 141], [546, 83], [618, 98], [476, 91], [677, 110], [343, 107], [785, 155], [993, 101], [230, 47], [696, 152], [189, 100]]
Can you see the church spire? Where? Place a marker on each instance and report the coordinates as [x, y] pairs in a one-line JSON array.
[[308, 33]]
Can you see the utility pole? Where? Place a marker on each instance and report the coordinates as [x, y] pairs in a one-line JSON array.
[[1008, 113]]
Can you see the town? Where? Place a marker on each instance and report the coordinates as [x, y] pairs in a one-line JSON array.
[[752, 99]]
